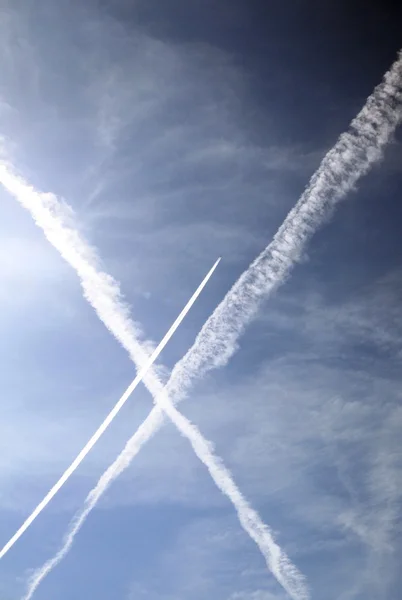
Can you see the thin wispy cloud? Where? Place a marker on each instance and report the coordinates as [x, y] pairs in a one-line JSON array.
[[351, 157], [103, 293]]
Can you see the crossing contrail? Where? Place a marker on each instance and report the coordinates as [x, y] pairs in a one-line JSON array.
[[107, 421], [103, 293], [351, 157]]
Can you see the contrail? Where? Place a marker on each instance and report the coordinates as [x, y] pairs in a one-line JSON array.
[[277, 561], [103, 293], [107, 421], [350, 158]]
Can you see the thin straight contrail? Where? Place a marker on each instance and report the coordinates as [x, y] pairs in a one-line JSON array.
[[103, 293], [107, 421], [350, 158]]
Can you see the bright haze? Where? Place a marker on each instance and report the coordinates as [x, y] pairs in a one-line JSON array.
[[172, 133]]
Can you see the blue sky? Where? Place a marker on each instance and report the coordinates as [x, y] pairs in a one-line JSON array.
[[179, 134]]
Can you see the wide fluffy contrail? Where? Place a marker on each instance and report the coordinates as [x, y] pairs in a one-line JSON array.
[[351, 157], [107, 421], [103, 293]]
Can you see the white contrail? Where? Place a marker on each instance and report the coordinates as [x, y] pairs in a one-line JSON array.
[[107, 421], [344, 164], [277, 561], [103, 293]]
